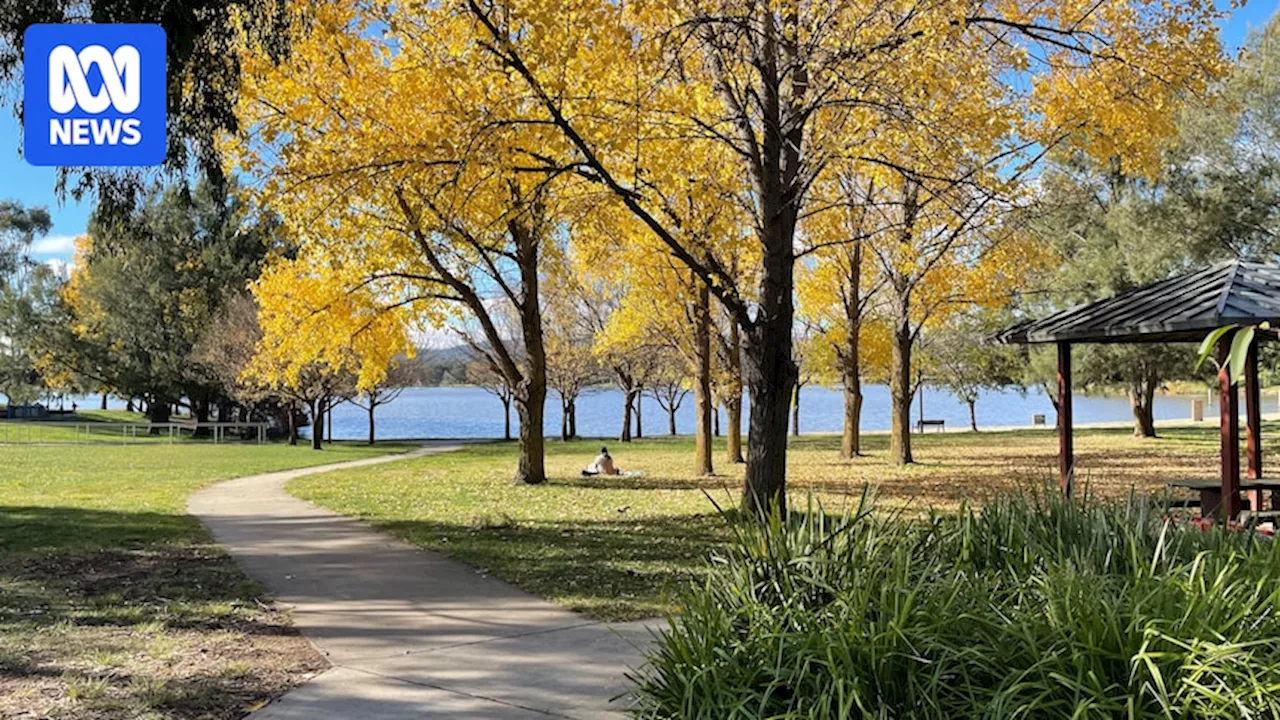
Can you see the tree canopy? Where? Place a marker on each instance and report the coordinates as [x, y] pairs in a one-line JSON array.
[[431, 152]]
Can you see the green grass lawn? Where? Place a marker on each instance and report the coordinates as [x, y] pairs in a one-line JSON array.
[[617, 548], [89, 425], [116, 604]]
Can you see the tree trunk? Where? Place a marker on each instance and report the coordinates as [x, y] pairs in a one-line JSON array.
[[625, 435], [128, 405], [104, 401], [639, 415], [531, 397], [564, 419], [715, 421], [293, 425], [158, 411], [530, 408], [733, 429], [573, 417], [317, 424], [973, 414], [1052, 394], [733, 401], [200, 413], [1142, 400], [851, 356], [795, 410], [851, 442], [372, 406], [671, 421], [702, 380], [770, 374], [900, 383], [328, 416], [900, 389], [506, 418]]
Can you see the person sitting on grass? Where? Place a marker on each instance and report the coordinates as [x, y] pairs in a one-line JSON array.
[[603, 465]]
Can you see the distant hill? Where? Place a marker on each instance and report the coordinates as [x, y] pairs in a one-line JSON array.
[[453, 353], [438, 366]]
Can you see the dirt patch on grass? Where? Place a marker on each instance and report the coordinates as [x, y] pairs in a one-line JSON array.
[[166, 632]]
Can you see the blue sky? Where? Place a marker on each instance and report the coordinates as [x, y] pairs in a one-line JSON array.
[[35, 186]]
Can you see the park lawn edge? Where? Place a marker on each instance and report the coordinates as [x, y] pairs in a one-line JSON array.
[[107, 613]]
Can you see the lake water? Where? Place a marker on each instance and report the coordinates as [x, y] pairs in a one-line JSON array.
[[465, 412]]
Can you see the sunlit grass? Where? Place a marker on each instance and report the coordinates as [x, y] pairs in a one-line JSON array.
[[619, 547], [137, 492]]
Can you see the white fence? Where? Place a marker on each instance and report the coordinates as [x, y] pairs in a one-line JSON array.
[[25, 432]]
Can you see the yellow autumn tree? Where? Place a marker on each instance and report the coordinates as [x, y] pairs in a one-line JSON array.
[[728, 381], [572, 364], [665, 305], [398, 168], [836, 290], [939, 249], [666, 311], [324, 337], [630, 100], [792, 93]]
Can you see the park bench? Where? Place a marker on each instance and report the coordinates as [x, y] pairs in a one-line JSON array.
[[1210, 497], [922, 424]]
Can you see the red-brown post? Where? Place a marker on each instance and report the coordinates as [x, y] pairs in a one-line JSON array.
[[1229, 420], [1253, 423], [1253, 412], [1066, 444]]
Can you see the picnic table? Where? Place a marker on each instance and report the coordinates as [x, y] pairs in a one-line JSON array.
[[1210, 492]]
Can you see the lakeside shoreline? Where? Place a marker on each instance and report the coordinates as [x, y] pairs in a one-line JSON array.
[[469, 413]]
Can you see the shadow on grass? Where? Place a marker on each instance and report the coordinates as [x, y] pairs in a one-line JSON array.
[[117, 693], [106, 568], [90, 600], [620, 569], [26, 529]]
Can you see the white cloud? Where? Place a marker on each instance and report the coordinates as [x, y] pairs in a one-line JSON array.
[[54, 245]]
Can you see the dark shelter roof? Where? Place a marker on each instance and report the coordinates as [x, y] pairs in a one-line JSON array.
[[1180, 309]]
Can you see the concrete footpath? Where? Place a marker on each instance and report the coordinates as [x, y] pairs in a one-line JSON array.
[[410, 633]]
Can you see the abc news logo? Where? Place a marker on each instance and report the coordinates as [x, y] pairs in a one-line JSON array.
[[94, 95], [69, 89]]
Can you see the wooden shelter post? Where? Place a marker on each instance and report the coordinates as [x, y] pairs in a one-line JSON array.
[[1229, 421], [1066, 445], [1253, 423], [1253, 413]]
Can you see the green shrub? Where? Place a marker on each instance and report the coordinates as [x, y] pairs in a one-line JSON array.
[[1030, 607]]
